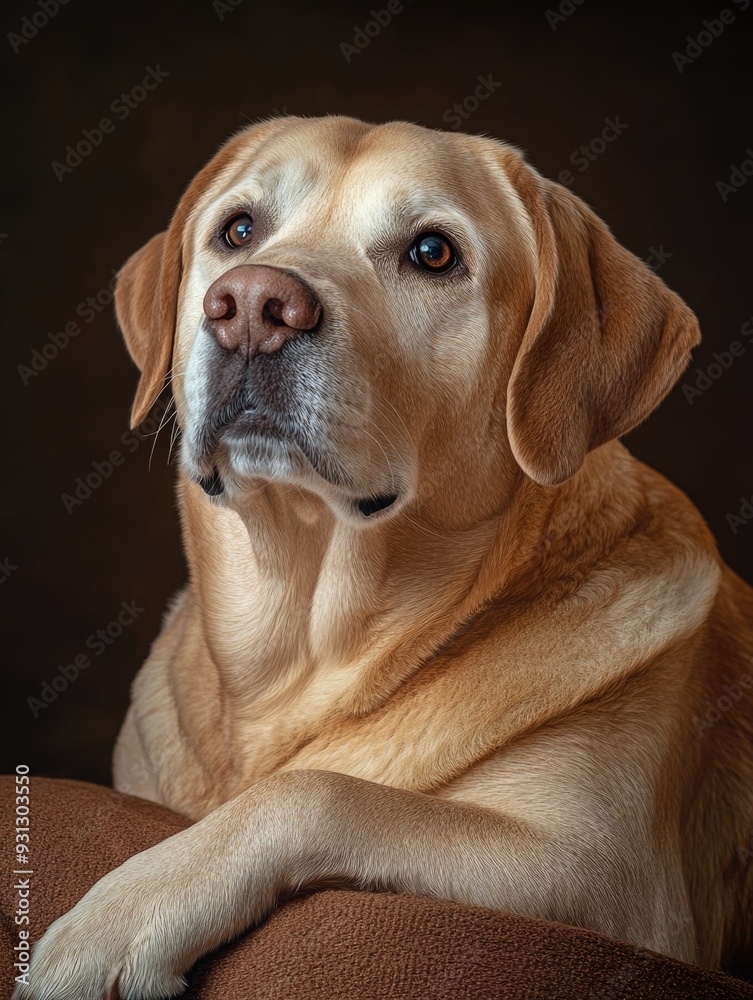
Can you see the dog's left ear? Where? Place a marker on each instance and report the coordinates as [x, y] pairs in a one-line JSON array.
[[605, 342]]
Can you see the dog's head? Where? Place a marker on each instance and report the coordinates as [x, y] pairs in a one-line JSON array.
[[385, 315]]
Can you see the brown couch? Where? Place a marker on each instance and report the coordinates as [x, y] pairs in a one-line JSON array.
[[335, 944]]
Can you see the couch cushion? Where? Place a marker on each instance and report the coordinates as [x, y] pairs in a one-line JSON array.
[[336, 944]]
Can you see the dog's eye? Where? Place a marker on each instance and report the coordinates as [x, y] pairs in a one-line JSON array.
[[433, 252], [237, 232]]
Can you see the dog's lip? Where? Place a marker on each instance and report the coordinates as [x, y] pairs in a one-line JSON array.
[[212, 485], [242, 418], [251, 420]]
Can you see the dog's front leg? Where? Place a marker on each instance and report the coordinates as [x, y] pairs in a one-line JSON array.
[[141, 927]]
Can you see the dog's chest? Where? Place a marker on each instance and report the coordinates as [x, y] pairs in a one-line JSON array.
[[480, 694]]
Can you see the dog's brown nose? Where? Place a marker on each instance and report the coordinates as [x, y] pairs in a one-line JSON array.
[[257, 309]]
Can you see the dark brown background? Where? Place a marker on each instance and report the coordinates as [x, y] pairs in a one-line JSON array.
[[655, 186]]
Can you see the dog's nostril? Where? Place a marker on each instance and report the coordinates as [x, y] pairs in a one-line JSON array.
[[220, 307], [230, 307], [273, 309]]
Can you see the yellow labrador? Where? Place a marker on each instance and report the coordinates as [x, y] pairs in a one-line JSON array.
[[442, 634]]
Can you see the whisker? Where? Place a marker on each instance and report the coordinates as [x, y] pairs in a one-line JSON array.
[[174, 435], [165, 417], [171, 375], [422, 527]]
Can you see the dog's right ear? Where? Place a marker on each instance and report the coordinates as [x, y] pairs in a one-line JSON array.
[[146, 303], [146, 296]]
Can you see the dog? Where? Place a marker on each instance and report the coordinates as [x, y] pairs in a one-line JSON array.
[[443, 634]]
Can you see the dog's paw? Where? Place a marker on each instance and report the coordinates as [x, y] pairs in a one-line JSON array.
[[86, 956], [132, 937]]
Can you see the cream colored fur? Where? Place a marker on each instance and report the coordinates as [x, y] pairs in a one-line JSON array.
[[493, 693]]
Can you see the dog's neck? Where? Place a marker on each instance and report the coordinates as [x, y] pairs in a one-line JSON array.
[[293, 598]]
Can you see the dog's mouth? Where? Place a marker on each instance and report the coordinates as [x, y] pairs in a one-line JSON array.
[[368, 506], [240, 423], [242, 415], [234, 422], [212, 485]]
